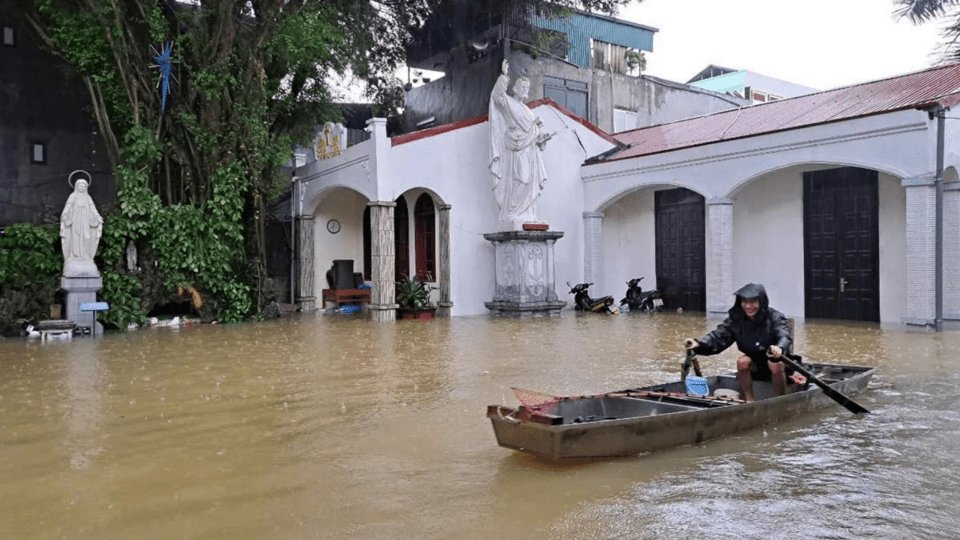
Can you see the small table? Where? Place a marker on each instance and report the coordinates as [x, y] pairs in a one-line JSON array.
[[345, 296]]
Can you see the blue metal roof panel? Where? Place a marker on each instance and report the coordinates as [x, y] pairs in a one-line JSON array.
[[580, 28]]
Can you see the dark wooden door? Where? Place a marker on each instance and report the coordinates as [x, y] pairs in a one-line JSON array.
[[841, 244], [681, 265]]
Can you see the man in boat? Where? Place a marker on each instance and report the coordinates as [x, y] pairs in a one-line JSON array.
[[761, 333]]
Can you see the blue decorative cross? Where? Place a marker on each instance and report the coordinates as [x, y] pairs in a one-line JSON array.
[[165, 64]]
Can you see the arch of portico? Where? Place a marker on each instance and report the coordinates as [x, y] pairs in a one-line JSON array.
[[318, 246], [753, 191], [358, 185]]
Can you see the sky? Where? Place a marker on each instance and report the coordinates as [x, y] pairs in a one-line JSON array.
[[818, 43]]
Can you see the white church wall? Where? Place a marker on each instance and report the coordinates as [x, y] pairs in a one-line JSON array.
[[768, 239], [454, 165], [351, 169], [629, 244], [899, 143], [893, 248]]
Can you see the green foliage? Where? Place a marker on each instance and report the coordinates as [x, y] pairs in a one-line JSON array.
[[413, 294], [636, 61], [30, 264], [183, 244]]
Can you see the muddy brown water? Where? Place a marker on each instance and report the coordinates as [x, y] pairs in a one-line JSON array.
[[330, 426]]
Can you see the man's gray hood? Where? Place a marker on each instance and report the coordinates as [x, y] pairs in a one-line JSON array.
[[750, 290]]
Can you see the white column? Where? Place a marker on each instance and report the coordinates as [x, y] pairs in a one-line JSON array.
[[951, 251], [592, 245], [719, 256], [921, 250]]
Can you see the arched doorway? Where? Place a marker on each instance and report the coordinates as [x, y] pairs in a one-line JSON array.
[[401, 239], [681, 264], [425, 238], [841, 244]]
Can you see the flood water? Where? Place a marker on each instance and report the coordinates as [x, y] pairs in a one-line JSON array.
[[331, 426]]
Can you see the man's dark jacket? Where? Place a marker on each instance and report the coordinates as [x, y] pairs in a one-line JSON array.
[[752, 336]]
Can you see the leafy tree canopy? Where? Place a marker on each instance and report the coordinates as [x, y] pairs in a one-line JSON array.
[[922, 11]]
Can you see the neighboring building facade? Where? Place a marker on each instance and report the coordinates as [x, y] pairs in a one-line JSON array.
[[46, 129], [580, 62], [746, 84]]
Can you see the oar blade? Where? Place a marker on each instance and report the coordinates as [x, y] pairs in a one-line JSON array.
[[832, 393]]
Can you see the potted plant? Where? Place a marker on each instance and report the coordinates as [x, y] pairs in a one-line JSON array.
[[413, 297]]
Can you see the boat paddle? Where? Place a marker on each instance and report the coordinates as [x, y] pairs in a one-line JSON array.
[[850, 404]]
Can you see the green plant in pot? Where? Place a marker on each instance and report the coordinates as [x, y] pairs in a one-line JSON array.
[[413, 297]]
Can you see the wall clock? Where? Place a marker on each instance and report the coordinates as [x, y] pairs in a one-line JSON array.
[[333, 226]]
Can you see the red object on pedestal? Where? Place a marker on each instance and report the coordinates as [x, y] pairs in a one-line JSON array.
[[535, 226]]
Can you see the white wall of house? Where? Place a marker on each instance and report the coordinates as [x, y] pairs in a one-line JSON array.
[[629, 244], [893, 248], [768, 238]]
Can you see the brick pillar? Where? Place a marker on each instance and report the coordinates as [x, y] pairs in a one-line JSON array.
[[921, 250], [951, 251], [444, 304], [383, 304], [306, 290], [719, 256], [592, 245]]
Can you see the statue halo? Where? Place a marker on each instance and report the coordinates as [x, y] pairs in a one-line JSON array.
[[70, 181]]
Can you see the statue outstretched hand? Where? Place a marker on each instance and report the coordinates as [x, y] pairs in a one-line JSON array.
[[505, 67]]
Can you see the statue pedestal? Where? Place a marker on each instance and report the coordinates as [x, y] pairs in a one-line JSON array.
[[81, 290], [525, 274]]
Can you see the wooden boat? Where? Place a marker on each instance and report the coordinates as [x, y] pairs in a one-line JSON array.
[[656, 417]]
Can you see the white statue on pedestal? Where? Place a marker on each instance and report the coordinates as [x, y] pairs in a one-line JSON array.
[[80, 229], [516, 152]]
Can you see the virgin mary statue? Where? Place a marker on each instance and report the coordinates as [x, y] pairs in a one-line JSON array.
[[80, 229]]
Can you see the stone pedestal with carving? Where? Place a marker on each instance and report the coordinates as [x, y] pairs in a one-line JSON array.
[[525, 274], [82, 290]]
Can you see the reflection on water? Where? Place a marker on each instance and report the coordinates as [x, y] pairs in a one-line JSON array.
[[334, 427]]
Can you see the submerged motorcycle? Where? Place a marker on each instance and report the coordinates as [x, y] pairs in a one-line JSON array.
[[644, 302], [583, 302]]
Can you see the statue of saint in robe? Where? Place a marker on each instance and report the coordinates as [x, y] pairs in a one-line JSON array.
[[516, 152], [80, 229]]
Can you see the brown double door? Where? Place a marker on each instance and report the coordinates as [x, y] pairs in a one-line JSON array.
[[841, 244]]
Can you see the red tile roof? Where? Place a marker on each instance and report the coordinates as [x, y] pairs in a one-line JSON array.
[[430, 132], [912, 91]]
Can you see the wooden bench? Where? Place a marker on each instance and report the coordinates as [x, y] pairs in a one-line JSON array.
[[346, 296]]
